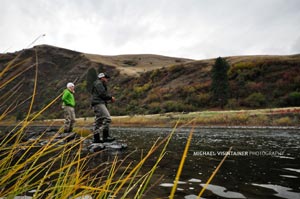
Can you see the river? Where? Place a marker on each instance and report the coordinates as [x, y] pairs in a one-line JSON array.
[[263, 163]]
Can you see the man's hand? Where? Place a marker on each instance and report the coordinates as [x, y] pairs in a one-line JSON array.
[[113, 99]]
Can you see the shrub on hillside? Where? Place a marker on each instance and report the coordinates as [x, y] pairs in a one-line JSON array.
[[175, 71], [185, 91], [152, 97], [155, 74], [255, 86], [158, 94], [255, 100], [199, 100], [154, 108], [177, 106], [140, 90], [135, 107], [232, 104], [235, 69], [130, 62], [293, 99], [176, 68]]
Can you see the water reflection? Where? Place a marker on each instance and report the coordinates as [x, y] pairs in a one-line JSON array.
[[259, 158], [223, 192], [263, 163], [283, 192], [295, 170]]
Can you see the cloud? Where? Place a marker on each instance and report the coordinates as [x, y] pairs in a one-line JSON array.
[[296, 46], [191, 28]]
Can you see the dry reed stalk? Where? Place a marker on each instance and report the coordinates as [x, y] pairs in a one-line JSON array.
[[213, 174], [184, 155]]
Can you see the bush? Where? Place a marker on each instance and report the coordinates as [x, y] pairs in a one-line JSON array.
[[176, 68], [255, 100], [200, 100], [232, 104], [154, 108], [255, 86], [186, 91], [283, 121], [153, 97], [140, 90], [172, 106], [259, 120], [239, 67], [177, 106], [130, 62], [293, 99], [240, 119]]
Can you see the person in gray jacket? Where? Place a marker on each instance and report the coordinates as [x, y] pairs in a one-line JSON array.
[[100, 98]]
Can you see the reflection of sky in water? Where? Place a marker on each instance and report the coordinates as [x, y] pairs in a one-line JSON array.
[[288, 176], [192, 197], [283, 192], [195, 180], [295, 170], [171, 184], [219, 191], [285, 157], [223, 192]]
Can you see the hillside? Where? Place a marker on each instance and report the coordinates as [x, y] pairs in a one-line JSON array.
[[143, 84], [134, 65]]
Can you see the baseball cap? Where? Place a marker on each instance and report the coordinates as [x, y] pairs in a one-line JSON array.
[[103, 75], [70, 84]]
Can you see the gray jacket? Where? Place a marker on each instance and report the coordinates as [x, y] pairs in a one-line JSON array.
[[99, 93]]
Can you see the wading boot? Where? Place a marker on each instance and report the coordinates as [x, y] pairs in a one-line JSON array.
[[97, 138], [106, 137]]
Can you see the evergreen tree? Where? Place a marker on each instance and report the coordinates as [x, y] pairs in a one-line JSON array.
[[219, 84], [90, 78]]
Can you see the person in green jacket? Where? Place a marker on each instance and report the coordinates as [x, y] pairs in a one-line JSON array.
[[69, 107]]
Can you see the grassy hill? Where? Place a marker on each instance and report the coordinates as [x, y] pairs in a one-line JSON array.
[[134, 65], [143, 84]]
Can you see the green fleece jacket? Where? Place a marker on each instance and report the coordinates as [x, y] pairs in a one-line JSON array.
[[68, 98]]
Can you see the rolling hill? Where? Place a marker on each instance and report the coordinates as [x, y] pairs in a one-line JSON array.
[[143, 84]]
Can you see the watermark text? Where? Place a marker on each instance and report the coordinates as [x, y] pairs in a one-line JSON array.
[[238, 153]]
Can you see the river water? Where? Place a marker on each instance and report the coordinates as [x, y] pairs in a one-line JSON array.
[[262, 164]]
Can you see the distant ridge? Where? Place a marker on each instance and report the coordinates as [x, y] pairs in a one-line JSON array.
[[144, 83]]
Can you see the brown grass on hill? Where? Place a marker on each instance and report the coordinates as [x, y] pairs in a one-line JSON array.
[[133, 65]]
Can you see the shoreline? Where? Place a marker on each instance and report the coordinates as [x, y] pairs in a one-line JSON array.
[[57, 126], [279, 118], [220, 127]]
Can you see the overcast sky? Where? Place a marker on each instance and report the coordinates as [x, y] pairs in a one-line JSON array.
[[197, 29]]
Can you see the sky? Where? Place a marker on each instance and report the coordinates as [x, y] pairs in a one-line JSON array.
[[195, 29]]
